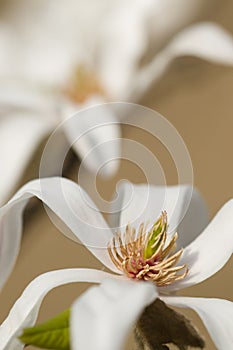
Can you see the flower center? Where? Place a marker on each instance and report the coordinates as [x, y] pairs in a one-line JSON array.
[[147, 255], [83, 84]]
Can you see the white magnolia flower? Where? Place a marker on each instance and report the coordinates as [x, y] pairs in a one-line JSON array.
[[129, 288], [70, 53]]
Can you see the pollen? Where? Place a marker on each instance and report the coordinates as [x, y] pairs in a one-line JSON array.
[[147, 255]]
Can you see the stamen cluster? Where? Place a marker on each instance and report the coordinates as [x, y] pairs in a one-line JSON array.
[[146, 255]]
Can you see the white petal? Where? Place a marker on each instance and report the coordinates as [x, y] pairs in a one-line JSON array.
[[95, 134], [81, 221], [102, 317], [20, 135], [206, 40], [216, 314], [27, 115], [141, 203], [24, 312], [36, 53], [209, 252], [123, 42], [23, 95], [171, 16]]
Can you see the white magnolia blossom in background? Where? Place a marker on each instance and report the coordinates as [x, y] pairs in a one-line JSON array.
[[99, 310], [59, 56]]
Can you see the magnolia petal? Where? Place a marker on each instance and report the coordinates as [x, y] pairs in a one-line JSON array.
[[102, 317], [216, 315], [206, 40], [20, 135], [210, 251], [171, 16], [141, 203], [80, 221], [123, 43], [200, 40], [95, 134], [40, 57], [27, 115], [24, 312], [16, 94]]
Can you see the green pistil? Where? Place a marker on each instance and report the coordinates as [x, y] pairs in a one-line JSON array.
[[155, 236]]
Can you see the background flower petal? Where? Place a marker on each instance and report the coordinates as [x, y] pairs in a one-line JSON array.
[[102, 317], [141, 203], [46, 47], [205, 40], [27, 116], [216, 314], [20, 135], [95, 134], [24, 312]]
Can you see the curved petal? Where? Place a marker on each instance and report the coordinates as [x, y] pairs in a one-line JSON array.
[[216, 314], [209, 252], [141, 203], [81, 221], [24, 312], [102, 317], [171, 16], [95, 134], [206, 40]]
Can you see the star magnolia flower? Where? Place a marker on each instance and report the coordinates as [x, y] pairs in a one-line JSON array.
[[143, 261], [66, 57]]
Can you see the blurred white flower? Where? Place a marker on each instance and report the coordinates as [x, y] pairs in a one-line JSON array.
[[125, 290], [58, 56]]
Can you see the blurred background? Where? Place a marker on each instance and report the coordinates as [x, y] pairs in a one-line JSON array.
[[196, 97]]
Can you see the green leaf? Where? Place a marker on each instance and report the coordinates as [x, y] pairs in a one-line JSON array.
[[160, 326], [53, 334]]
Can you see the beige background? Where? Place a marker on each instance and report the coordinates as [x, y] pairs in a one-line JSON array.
[[196, 97]]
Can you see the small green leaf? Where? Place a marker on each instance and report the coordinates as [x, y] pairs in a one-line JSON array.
[[53, 334]]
